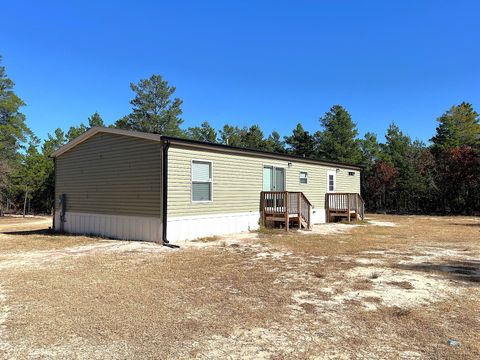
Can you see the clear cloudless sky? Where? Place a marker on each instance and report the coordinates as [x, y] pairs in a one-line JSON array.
[[275, 63]]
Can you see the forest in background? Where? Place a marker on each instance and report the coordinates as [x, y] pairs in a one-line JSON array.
[[401, 174]]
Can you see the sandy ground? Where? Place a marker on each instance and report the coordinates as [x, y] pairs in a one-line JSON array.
[[392, 287]]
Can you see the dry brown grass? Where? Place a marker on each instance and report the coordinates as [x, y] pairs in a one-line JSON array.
[[460, 232], [172, 300], [40, 241], [281, 296], [402, 284], [7, 222], [426, 329], [209, 239], [363, 284], [18, 234]]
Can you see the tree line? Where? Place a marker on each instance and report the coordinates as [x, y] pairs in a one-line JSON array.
[[400, 175]]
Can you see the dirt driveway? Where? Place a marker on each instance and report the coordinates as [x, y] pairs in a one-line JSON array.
[[395, 287]]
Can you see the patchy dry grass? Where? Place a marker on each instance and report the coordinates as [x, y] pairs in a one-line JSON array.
[[375, 291], [32, 233], [402, 284]]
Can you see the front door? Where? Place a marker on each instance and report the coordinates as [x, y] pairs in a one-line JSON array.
[[273, 178]]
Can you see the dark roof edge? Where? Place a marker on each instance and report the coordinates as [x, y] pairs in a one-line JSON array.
[[259, 152]]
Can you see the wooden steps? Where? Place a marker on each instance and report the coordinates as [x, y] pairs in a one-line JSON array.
[[344, 205], [286, 207]]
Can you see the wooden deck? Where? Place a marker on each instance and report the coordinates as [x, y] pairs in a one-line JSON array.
[[287, 207], [344, 205]]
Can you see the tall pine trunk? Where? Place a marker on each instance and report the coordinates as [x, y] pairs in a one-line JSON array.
[[25, 201]]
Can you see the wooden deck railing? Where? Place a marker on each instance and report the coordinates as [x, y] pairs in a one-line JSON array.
[[284, 206], [344, 205]]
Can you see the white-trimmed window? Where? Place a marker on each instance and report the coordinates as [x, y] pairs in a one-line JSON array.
[[303, 177], [351, 173], [331, 181], [201, 181]]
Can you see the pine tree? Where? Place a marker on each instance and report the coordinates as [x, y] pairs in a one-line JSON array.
[[462, 180], [405, 156], [44, 197], [274, 143], [53, 142], [13, 131], [153, 109], [300, 143], [338, 139], [396, 145], [75, 131], [30, 173], [459, 126], [205, 132], [252, 138], [231, 135], [95, 120], [456, 144], [371, 150]]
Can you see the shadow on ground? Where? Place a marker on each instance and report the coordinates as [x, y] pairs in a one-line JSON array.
[[468, 271], [463, 224], [48, 232]]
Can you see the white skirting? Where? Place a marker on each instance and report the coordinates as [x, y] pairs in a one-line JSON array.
[[112, 226], [179, 228], [194, 227], [318, 216]]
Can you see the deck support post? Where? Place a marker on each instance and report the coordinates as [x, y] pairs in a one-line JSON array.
[[348, 208], [327, 208], [309, 222], [287, 219], [356, 207], [276, 206], [262, 209], [299, 210], [344, 205]]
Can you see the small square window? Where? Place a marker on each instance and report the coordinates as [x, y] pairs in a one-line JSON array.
[[351, 173], [303, 177]]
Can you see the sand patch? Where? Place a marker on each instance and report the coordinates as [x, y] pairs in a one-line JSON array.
[[381, 223], [42, 257], [241, 239], [261, 343], [369, 261], [401, 288], [373, 287], [329, 229], [422, 253], [272, 255], [4, 310], [383, 278]]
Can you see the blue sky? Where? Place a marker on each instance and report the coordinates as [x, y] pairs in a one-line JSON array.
[[273, 63]]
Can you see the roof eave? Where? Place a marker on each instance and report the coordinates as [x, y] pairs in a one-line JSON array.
[[235, 149], [99, 129]]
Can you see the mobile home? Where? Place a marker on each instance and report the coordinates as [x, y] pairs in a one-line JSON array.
[[139, 186]]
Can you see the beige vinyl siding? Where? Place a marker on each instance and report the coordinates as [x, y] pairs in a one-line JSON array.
[[238, 181], [111, 174], [346, 183], [316, 186]]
